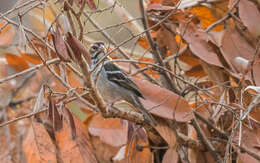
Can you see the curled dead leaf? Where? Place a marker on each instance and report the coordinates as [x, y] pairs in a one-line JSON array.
[[164, 103], [77, 48], [60, 46]]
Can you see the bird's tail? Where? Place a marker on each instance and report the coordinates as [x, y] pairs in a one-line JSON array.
[[147, 116]]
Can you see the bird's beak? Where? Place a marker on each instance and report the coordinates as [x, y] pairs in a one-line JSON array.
[[102, 46]]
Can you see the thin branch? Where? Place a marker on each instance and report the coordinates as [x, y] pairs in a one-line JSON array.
[[220, 132], [226, 17], [22, 117], [242, 117], [251, 66], [205, 141], [112, 26], [52, 61], [156, 52], [18, 7], [123, 14]]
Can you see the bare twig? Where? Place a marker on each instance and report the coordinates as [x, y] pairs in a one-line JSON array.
[[124, 15], [251, 66], [217, 23], [156, 52], [18, 7], [220, 132], [22, 117], [242, 117], [55, 60], [112, 26], [226, 17], [205, 141]]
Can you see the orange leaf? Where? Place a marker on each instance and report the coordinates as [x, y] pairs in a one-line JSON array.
[[38, 146], [196, 72], [78, 150], [32, 58], [110, 130], [136, 156], [74, 80], [154, 73], [206, 17], [143, 42], [16, 62], [35, 18], [6, 34], [189, 59], [155, 1]]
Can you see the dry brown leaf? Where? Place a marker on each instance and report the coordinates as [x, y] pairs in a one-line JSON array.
[[77, 48], [189, 58], [38, 146], [166, 38], [164, 103], [198, 42], [54, 116], [144, 59], [250, 139], [217, 75], [110, 130], [167, 133], [248, 96], [235, 45], [60, 46], [78, 150], [250, 16], [196, 71], [103, 151], [171, 156], [91, 4]]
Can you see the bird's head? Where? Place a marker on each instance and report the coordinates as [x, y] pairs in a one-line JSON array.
[[96, 48], [97, 51]]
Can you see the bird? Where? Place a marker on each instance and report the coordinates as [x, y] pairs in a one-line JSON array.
[[113, 84]]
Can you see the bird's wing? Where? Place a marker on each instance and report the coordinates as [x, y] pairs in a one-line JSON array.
[[115, 75]]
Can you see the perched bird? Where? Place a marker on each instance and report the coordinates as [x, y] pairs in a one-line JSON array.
[[113, 84]]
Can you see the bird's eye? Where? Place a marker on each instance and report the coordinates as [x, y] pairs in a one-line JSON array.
[[94, 48]]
